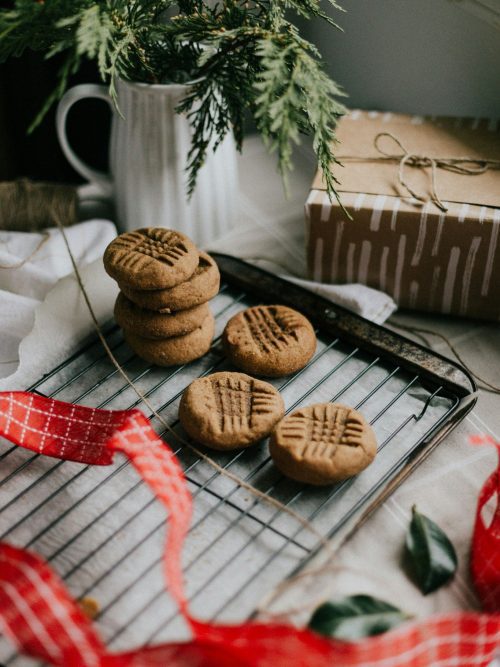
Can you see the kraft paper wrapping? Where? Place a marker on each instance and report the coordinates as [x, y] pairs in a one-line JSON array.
[[424, 258]]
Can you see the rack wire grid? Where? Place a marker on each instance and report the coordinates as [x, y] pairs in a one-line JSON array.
[[102, 530]]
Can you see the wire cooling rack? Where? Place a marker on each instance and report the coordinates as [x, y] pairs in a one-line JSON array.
[[102, 530]]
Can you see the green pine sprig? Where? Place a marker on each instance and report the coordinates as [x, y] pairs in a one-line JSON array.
[[243, 59], [296, 96]]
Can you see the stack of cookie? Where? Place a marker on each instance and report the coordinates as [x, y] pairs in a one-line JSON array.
[[165, 283]]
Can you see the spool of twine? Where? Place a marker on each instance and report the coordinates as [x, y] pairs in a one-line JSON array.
[[26, 206]]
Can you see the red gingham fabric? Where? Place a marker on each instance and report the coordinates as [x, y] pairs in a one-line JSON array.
[[39, 615]]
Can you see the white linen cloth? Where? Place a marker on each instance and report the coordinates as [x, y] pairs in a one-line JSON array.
[[43, 312]]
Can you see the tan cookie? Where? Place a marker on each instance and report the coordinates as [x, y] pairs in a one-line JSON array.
[[176, 350], [323, 443], [269, 340], [202, 286], [149, 324], [228, 410], [151, 258]]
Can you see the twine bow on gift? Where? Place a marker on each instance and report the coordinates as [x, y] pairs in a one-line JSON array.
[[469, 166]]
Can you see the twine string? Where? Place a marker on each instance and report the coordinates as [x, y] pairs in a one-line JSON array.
[[468, 166], [485, 385], [22, 262]]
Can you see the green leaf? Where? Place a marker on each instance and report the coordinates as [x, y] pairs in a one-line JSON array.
[[355, 617], [432, 556]]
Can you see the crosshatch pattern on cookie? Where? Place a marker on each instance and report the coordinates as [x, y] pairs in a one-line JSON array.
[[321, 430], [163, 245], [272, 328], [228, 410], [239, 402], [151, 258], [323, 443], [269, 340]]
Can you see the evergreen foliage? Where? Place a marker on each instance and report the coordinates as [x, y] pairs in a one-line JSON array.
[[244, 57]]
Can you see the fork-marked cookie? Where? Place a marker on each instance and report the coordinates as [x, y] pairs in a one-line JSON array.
[[323, 443], [202, 286], [229, 410], [149, 324], [269, 340], [176, 350], [151, 258]]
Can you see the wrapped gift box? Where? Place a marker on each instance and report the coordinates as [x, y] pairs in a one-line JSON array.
[[426, 258]]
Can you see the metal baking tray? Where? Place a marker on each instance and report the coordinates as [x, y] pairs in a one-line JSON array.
[[103, 532]]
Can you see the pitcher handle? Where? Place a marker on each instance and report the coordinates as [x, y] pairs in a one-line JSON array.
[[86, 90]]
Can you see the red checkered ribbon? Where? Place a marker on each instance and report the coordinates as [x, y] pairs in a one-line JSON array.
[[41, 618], [485, 556]]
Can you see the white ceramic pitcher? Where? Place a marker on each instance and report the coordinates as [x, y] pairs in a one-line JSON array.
[[148, 156]]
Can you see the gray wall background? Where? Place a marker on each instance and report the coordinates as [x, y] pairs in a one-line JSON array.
[[412, 56]]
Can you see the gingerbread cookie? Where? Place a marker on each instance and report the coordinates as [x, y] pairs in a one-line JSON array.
[[149, 324], [269, 340], [229, 410], [176, 350], [202, 286], [323, 443], [151, 258]]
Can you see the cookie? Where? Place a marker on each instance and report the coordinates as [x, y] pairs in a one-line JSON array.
[[151, 258], [201, 287], [269, 340], [149, 324], [323, 443], [176, 350], [229, 410]]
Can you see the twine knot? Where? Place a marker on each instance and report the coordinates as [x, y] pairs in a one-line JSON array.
[[463, 165]]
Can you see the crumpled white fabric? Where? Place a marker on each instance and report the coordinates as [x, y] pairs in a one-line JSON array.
[[366, 301], [35, 277], [43, 313]]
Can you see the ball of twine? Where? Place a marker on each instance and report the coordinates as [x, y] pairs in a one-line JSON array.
[[26, 206], [32, 207]]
